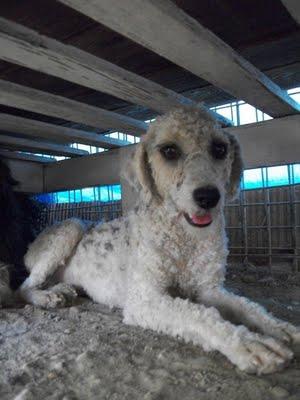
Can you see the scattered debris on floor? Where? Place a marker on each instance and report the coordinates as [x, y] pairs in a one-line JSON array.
[[86, 352]]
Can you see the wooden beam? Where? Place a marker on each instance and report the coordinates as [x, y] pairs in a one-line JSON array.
[[94, 170], [262, 143], [55, 133], [28, 48], [288, 76], [10, 142], [165, 29], [293, 7], [16, 155], [273, 142], [33, 100]]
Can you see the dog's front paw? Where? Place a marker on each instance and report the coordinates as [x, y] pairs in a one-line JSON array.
[[66, 292], [49, 299], [60, 295], [260, 355], [284, 331]]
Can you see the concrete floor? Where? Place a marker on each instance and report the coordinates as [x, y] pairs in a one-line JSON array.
[[86, 352]]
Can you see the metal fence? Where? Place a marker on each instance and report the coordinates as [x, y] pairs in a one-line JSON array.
[[91, 211], [263, 226]]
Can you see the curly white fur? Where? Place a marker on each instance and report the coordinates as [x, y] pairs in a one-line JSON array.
[[163, 272]]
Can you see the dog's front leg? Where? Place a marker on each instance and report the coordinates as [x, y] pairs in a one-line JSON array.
[[251, 314], [204, 326]]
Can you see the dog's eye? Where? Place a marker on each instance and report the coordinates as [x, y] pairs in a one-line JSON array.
[[218, 149], [170, 152]]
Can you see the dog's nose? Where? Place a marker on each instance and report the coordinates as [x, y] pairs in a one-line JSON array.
[[206, 197]]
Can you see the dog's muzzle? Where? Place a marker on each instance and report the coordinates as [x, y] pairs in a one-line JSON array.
[[206, 197]]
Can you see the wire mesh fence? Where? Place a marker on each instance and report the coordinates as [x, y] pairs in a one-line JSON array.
[[263, 225], [90, 211]]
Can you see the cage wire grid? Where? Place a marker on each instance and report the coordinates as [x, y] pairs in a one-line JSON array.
[[263, 226]]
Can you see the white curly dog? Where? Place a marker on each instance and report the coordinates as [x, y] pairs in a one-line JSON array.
[[164, 263]]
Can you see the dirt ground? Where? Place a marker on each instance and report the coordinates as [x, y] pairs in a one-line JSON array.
[[86, 352]]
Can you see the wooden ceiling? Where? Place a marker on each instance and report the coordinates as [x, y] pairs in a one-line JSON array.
[[73, 69], [263, 32]]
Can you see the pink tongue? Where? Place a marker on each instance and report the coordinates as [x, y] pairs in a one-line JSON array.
[[201, 220]]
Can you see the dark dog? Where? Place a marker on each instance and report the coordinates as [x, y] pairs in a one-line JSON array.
[[19, 220]]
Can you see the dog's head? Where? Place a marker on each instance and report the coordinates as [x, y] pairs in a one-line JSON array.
[[189, 164]]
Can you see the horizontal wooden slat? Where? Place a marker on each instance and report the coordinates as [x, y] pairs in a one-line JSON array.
[[262, 144], [33, 100], [165, 29], [27, 48], [293, 6], [94, 170], [56, 133], [272, 142], [15, 155], [10, 142], [288, 75]]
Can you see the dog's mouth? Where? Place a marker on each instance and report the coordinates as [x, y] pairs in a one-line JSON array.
[[199, 221]]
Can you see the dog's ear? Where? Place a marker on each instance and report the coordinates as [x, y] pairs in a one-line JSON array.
[[138, 174], [143, 172], [236, 169]]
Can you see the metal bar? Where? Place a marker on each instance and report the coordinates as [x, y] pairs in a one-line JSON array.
[[262, 204], [264, 227], [244, 223], [266, 196], [292, 214], [289, 256], [261, 247]]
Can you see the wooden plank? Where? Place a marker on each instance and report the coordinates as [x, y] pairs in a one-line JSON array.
[[55, 133], [15, 155], [94, 170], [273, 142], [262, 143], [10, 142], [293, 6], [33, 100], [287, 76], [28, 48], [165, 29]]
